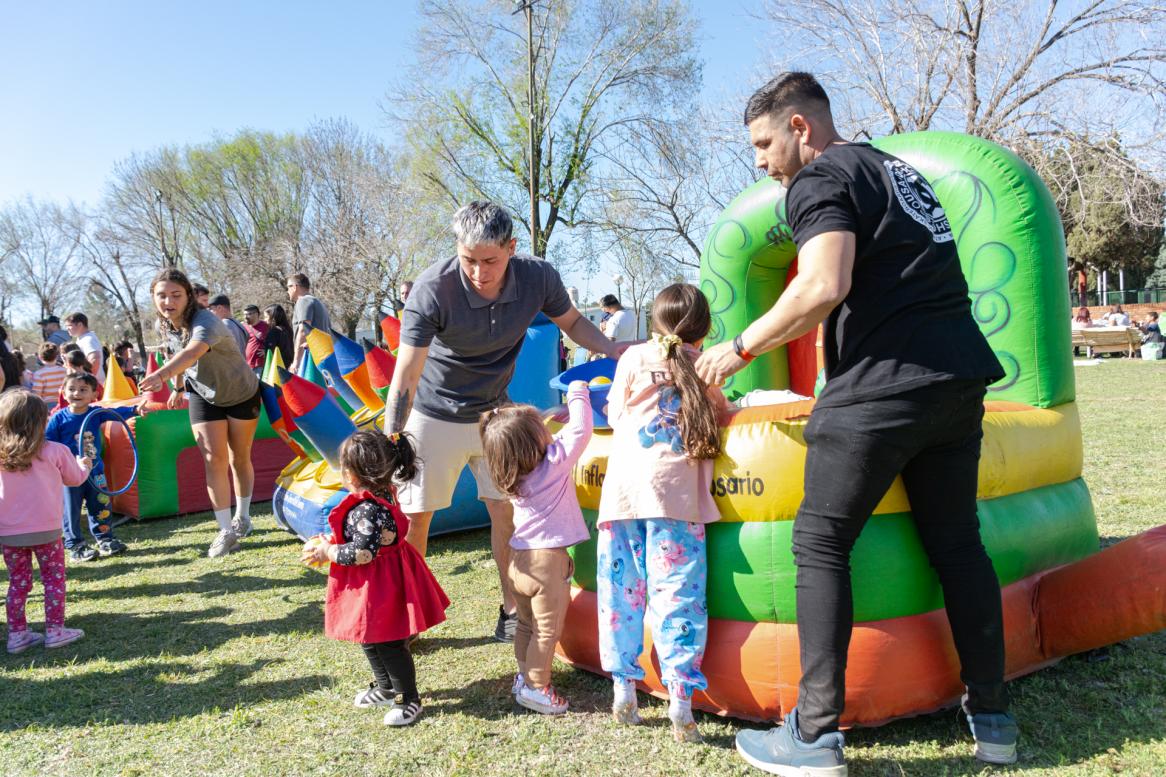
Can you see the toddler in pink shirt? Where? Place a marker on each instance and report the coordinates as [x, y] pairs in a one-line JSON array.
[[535, 470], [33, 471]]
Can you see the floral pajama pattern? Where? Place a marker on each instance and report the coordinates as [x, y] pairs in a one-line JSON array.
[[51, 559], [654, 567]]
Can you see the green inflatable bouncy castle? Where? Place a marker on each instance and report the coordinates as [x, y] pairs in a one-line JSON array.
[[1061, 595]]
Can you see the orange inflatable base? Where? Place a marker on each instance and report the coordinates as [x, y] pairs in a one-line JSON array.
[[908, 666]]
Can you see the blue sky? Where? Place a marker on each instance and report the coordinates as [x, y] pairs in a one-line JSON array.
[[83, 84]]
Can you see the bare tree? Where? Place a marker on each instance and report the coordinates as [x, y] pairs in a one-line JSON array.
[[633, 254], [349, 234], [140, 201], [1046, 78], [668, 181], [42, 254], [117, 273], [987, 67], [600, 68]]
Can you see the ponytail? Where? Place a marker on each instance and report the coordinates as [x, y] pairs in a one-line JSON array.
[[680, 314], [404, 456], [375, 460], [697, 417]]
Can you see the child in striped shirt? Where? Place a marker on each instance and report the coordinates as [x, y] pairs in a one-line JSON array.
[[47, 381]]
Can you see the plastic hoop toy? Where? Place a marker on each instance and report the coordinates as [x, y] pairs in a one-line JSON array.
[[106, 414]]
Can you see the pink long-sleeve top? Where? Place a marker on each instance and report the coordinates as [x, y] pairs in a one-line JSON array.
[[31, 500], [546, 510], [648, 473]]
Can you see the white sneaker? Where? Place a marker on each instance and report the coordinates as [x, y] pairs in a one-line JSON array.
[[625, 707], [241, 525], [402, 713], [518, 685], [226, 541], [543, 700]]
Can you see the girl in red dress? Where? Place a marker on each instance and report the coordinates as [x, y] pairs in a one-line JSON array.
[[380, 592]]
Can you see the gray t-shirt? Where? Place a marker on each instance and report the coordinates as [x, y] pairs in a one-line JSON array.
[[473, 343], [221, 376], [236, 330], [311, 310]]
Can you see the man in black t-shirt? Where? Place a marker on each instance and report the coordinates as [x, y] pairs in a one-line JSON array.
[[906, 374]]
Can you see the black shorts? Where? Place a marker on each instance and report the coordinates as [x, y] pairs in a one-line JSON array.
[[202, 411]]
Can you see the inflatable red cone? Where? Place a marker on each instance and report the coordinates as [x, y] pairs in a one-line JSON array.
[[317, 415], [162, 395], [381, 365], [391, 330]]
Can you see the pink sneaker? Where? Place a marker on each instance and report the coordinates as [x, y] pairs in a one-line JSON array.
[[60, 636], [20, 641]]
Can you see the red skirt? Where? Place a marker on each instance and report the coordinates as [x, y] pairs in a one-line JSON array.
[[391, 598]]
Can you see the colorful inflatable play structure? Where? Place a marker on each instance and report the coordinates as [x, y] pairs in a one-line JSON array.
[[156, 457], [1062, 595], [341, 388]]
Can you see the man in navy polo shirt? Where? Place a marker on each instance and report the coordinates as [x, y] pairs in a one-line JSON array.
[[461, 330]]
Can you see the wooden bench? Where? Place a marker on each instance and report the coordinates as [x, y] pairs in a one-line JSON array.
[[1097, 340]]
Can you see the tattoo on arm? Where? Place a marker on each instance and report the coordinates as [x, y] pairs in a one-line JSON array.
[[397, 410]]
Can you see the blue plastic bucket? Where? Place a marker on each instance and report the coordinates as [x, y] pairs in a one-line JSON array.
[[588, 371]]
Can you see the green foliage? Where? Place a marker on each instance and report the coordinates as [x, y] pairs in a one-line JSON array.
[[1111, 210], [1157, 276], [601, 67]]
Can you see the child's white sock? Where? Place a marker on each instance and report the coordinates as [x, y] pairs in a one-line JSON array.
[[243, 507], [680, 713], [680, 710], [625, 692], [223, 518], [624, 707]]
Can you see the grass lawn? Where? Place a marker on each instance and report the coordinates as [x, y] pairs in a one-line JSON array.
[[194, 666]]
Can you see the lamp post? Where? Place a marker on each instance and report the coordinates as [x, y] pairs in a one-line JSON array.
[[618, 281], [532, 173]]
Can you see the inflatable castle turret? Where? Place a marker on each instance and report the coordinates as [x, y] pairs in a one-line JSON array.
[[1061, 594]]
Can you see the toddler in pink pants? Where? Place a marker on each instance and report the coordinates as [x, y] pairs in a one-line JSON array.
[[32, 474]]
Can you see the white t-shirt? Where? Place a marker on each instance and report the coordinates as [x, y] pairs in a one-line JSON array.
[[621, 326], [91, 345]]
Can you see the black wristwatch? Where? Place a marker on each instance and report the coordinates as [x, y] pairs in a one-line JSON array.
[[739, 349]]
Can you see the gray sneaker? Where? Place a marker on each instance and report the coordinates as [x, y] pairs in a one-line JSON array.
[[506, 626], [241, 525], [996, 735], [226, 541], [781, 751]]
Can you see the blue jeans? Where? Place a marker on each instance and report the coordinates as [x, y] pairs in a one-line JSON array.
[[96, 507], [654, 567]]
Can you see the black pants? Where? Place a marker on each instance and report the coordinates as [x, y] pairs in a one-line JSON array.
[[392, 667], [931, 436]]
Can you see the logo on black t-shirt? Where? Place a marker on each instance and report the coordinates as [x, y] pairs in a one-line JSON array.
[[918, 199]]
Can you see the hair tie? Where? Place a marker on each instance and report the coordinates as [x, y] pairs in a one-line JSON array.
[[395, 438], [666, 343]]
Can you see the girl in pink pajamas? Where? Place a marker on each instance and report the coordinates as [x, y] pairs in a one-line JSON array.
[[32, 474], [655, 504]]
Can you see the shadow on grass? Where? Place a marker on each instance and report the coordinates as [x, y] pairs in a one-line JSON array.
[[217, 583], [427, 644], [100, 569], [488, 698], [128, 636], [144, 694]]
